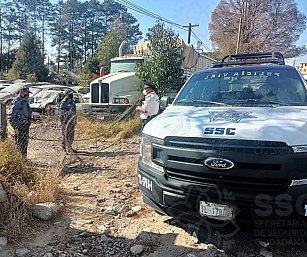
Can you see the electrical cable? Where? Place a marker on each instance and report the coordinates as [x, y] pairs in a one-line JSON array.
[[202, 43], [148, 13]]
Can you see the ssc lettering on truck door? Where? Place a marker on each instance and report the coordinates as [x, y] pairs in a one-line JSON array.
[[220, 131]]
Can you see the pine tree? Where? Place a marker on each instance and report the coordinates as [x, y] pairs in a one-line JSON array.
[[29, 59], [108, 48]]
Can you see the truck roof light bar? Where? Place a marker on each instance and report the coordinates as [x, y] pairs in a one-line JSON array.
[[248, 59]]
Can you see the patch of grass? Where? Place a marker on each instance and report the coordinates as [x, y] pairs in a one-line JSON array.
[[14, 169], [129, 128], [24, 187], [90, 128], [47, 187]]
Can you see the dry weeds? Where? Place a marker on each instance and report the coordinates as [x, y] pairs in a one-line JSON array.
[[88, 128], [24, 187]]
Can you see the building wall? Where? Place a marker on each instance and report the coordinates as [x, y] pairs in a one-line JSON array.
[[303, 68], [204, 62]]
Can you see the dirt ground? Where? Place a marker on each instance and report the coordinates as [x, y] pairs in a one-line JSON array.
[[102, 213]]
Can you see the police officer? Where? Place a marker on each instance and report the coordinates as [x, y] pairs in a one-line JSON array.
[[150, 106], [20, 120], [68, 120]]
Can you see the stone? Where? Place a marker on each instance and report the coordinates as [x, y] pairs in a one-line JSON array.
[[48, 255], [116, 191], [136, 249], [101, 199], [104, 238], [121, 208], [45, 211], [102, 229], [264, 252], [88, 222], [195, 237], [122, 197], [110, 211], [130, 213], [3, 197], [191, 255], [83, 234], [134, 211], [3, 241], [22, 252], [136, 208]]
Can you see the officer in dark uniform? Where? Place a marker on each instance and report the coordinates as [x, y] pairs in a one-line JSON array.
[[68, 120], [20, 120]]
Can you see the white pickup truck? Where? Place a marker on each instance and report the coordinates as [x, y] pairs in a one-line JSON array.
[[232, 145]]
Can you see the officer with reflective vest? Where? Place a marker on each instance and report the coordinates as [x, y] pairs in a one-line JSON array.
[[68, 120], [20, 119]]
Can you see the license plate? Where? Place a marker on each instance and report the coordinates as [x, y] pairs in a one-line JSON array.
[[216, 211]]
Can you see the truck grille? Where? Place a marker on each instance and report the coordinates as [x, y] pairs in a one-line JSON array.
[[229, 182], [258, 165], [230, 145]]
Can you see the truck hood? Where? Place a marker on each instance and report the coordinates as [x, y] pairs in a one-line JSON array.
[[116, 76], [278, 123]]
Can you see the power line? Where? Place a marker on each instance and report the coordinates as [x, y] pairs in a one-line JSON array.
[[148, 13], [201, 42], [190, 26]]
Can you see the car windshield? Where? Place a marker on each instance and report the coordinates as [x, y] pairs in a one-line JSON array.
[[35, 90], [244, 87]]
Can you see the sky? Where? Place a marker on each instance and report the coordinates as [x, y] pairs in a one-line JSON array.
[[198, 12]]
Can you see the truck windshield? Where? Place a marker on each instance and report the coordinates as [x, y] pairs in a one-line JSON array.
[[125, 65], [248, 86]]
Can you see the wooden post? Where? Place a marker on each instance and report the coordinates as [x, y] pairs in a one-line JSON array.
[[239, 36], [3, 123]]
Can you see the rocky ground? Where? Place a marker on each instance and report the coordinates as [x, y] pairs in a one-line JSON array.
[[102, 213]]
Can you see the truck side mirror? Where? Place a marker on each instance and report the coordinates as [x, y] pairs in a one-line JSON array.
[[164, 102]]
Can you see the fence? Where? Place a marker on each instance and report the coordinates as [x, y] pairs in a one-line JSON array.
[[3, 122], [50, 139]]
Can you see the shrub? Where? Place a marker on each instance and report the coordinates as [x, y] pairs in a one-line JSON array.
[[31, 78]]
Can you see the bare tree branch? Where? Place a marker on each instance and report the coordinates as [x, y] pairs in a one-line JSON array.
[[266, 25]]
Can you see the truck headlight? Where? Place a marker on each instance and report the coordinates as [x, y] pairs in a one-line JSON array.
[[298, 182], [299, 149], [146, 151]]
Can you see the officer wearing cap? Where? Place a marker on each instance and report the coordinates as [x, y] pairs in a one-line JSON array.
[[68, 120], [150, 106], [20, 119]]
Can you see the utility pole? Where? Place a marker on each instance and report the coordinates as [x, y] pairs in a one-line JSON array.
[[239, 36], [190, 26]]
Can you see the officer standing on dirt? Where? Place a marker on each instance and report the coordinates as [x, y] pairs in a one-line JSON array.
[[150, 106], [20, 120], [68, 120]]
